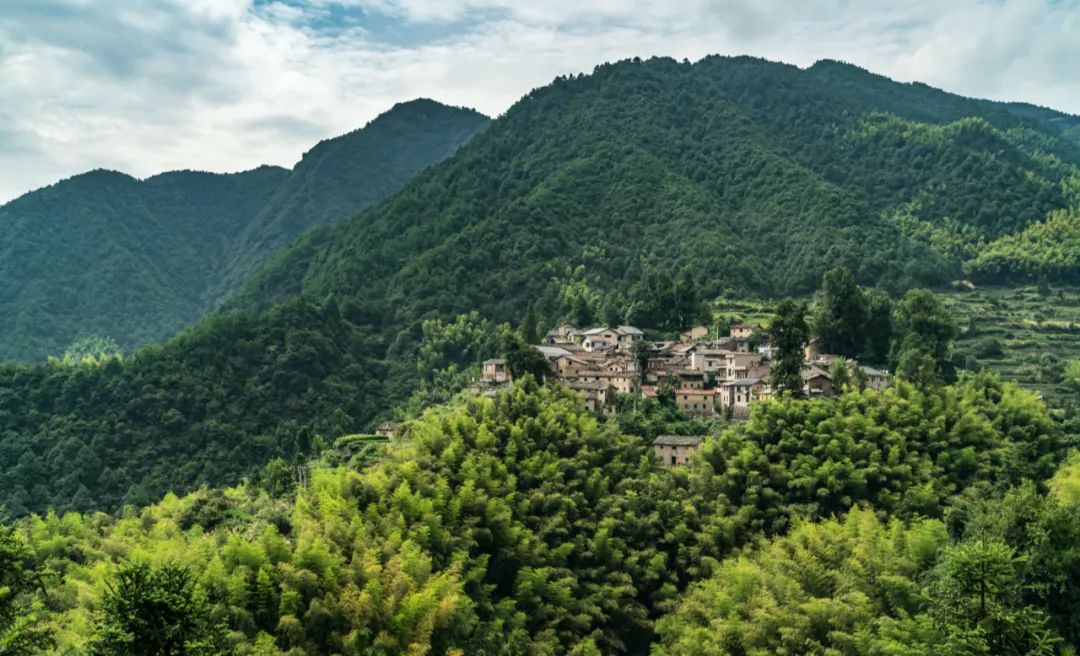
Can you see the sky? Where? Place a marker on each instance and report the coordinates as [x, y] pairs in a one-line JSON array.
[[144, 86]]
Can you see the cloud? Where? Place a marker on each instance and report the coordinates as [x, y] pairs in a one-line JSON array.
[[144, 86]]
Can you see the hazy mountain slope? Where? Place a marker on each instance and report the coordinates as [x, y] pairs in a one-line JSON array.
[[104, 254], [339, 176]]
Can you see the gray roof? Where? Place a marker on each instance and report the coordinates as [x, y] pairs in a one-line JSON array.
[[678, 440], [494, 361], [630, 330], [552, 351], [870, 371], [741, 382]]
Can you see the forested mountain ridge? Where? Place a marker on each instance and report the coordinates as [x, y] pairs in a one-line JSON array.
[[339, 176], [758, 176], [106, 255]]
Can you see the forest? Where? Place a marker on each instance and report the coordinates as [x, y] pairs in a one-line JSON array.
[[523, 524]]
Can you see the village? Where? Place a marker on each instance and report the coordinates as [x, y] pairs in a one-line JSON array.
[[709, 376], [706, 375]]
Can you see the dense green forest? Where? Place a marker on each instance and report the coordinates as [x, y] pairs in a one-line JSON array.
[[103, 255], [644, 192], [521, 524]]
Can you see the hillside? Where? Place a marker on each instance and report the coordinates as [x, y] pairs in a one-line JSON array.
[[597, 197], [106, 255], [758, 176]]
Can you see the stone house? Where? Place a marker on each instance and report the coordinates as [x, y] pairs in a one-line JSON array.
[[816, 382], [744, 330], [676, 450], [697, 402], [496, 370], [875, 379], [596, 394]]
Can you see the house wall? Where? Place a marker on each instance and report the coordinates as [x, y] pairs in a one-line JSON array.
[[674, 455]]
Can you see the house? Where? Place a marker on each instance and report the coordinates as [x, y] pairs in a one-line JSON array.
[[620, 337], [812, 349], [744, 330], [739, 365], [816, 382], [682, 377], [737, 394], [697, 402], [564, 334], [709, 360], [386, 429], [693, 334], [875, 379], [596, 397], [676, 450], [496, 370]]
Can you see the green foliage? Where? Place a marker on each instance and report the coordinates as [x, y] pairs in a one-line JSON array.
[[208, 408], [925, 332], [788, 335], [1045, 250], [840, 314], [156, 611], [22, 632], [105, 254], [861, 586], [520, 524]]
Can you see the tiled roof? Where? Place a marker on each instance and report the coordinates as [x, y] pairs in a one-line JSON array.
[[678, 440]]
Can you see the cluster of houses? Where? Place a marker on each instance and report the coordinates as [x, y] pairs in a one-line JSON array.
[[709, 376]]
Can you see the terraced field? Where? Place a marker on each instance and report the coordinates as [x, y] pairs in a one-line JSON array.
[[1024, 336], [1021, 334]]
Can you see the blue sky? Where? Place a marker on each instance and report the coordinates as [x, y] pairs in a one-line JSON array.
[[144, 86]]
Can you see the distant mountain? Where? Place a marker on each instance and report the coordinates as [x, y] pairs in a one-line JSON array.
[[614, 196], [104, 254]]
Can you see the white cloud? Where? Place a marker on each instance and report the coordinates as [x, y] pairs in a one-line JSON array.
[[145, 86]]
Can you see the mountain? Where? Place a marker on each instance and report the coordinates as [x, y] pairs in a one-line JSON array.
[[634, 193], [755, 175], [340, 176], [106, 255]]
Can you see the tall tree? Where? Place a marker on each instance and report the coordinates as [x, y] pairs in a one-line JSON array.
[[925, 331], [157, 611], [840, 314], [21, 631], [878, 328], [529, 331], [788, 334]]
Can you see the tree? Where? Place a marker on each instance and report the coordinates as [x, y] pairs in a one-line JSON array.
[[21, 631], [840, 314], [838, 373], [640, 351], [529, 331], [878, 328], [157, 611], [788, 334], [925, 331], [523, 358], [974, 601], [687, 307]]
